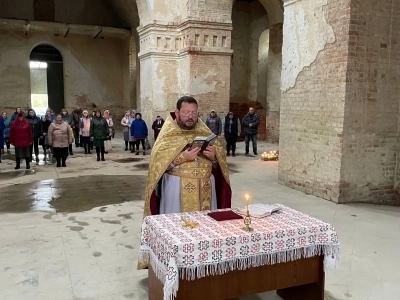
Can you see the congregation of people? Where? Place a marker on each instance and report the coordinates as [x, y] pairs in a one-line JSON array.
[[56, 133]]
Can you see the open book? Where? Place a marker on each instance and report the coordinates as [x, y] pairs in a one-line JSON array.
[[203, 142], [259, 210]]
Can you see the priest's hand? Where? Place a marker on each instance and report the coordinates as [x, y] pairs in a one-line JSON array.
[[192, 154], [210, 153]]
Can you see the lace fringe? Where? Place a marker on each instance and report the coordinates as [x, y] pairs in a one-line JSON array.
[[331, 261]]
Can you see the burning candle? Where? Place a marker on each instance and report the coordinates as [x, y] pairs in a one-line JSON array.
[[247, 199]]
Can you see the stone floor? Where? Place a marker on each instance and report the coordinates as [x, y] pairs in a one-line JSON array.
[[73, 233]]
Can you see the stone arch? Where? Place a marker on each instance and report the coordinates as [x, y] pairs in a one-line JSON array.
[[274, 10], [262, 88], [47, 84]]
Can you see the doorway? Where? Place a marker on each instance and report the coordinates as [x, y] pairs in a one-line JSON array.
[[47, 79]]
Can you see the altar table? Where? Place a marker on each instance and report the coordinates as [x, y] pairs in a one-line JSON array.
[[288, 251]]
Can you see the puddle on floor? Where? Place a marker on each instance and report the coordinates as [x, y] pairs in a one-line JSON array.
[[69, 195], [128, 160], [17, 173], [144, 166]]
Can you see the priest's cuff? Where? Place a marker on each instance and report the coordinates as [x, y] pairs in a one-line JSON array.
[[180, 159]]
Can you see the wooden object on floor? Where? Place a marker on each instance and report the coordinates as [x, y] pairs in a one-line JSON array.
[[302, 279]]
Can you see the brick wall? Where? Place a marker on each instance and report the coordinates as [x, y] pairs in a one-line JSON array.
[[370, 140], [311, 124]]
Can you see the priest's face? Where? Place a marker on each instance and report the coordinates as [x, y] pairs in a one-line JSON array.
[[186, 117]]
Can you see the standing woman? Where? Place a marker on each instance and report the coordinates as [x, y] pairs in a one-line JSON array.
[[139, 133], [125, 126], [98, 133], [84, 131], [59, 138], [6, 132], [21, 137], [44, 139], [131, 119], [35, 125], [231, 129], [66, 117], [2, 128], [110, 123]]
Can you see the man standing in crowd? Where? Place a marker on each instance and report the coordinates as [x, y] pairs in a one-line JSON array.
[[251, 121], [214, 123], [231, 127], [157, 125], [76, 116]]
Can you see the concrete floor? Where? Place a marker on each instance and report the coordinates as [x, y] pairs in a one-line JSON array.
[[73, 233]]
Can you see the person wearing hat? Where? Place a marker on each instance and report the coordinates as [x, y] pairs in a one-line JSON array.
[[157, 125], [21, 138], [214, 123], [139, 133], [232, 129], [99, 131]]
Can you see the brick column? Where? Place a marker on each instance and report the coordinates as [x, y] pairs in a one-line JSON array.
[[192, 58], [274, 82]]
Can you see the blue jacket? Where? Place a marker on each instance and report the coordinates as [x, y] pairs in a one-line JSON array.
[[139, 129], [2, 127], [6, 132]]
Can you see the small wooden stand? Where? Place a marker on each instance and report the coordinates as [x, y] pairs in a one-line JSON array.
[[302, 279]]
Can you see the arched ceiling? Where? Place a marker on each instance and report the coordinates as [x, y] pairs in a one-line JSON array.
[[274, 9]]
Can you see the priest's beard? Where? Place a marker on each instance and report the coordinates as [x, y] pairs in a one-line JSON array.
[[188, 124]]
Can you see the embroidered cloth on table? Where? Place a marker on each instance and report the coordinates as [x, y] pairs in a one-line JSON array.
[[216, 247]]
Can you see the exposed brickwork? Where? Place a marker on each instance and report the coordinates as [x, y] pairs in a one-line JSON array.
[[371, 128], [312, 112]]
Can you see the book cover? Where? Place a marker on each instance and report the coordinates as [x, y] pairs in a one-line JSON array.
[[203, 142]]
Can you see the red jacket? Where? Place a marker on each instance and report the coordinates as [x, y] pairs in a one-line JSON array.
[[20, 133]]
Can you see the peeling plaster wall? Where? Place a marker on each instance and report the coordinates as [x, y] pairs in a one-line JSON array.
[[305, 33], [371, 150], [95, 71], [312, 111], [159, 86], [209, 83]]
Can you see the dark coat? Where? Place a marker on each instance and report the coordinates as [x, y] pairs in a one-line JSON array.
[[2, 128], [67, 118], [99, 128], [21, 133], [157, 127], [139, 129], [251, 119], [76, 116], [35, 125], [231, 131]]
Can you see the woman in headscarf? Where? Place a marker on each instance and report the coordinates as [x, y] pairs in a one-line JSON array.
[[107, 142], [2, 128], [35, 125], [125, 126], [131, 119], [60, 138], [98, 133], [66, 117], [139, 133], [6, 132], [84, 131], [21, 137], [44, 139]]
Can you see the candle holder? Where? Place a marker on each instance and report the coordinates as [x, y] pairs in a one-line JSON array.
[[247, 221]]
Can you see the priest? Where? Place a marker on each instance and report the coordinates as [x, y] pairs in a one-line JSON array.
[[182, 179]]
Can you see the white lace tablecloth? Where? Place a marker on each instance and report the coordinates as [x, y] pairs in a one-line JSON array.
[[216, 247]]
